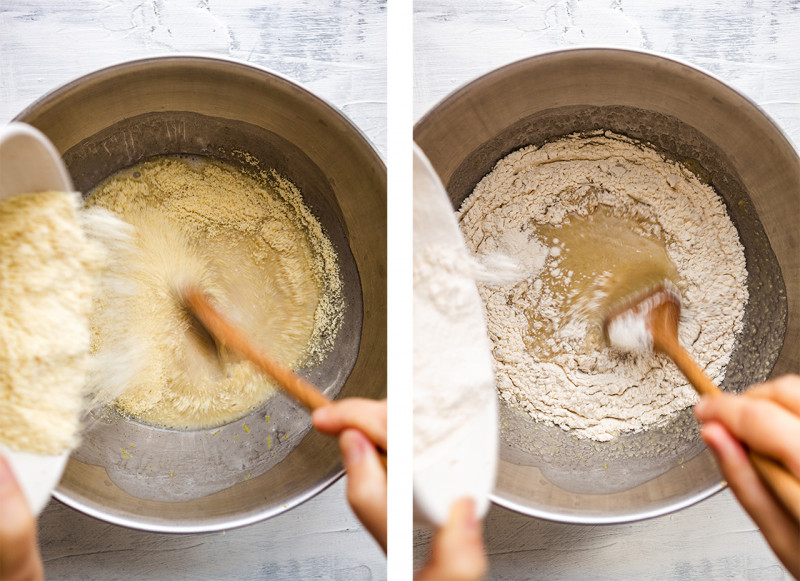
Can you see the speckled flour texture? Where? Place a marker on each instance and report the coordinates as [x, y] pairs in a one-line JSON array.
[[251, 244], [48, 271], [553, 364]]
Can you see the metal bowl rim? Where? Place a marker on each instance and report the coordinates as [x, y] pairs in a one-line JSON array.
[[211, 526], [190, 57], [601, 49], [626, 517]]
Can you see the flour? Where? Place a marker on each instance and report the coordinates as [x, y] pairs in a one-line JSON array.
[[48, 271], [453, 372], [549, 356], [250, 244], [630, 330]]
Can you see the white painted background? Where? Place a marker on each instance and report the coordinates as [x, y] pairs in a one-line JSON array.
[[335, 49], [754, 47]]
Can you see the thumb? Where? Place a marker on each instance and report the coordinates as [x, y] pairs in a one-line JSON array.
[[19, 552], [457, 552]]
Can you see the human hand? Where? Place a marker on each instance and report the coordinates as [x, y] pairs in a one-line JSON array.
[[19, 551], [765, 419], [457, 552], [360, 425]]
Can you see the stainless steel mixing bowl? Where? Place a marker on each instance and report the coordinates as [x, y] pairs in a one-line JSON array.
[[269, 461], [723, 137]]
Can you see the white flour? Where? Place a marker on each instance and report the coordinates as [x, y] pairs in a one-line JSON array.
[[630, 330], [551, 364], [455, 403], [453, 373]]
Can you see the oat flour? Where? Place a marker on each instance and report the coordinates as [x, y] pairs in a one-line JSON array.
[[252, 245], [48, 271]]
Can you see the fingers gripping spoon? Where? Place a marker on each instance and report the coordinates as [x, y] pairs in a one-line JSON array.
[[30, 163], [650, 322], [225, 332]]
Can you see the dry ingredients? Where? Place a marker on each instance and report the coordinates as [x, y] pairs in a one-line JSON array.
[[252, 245], [453, 373], [48, 271], [572, 212]]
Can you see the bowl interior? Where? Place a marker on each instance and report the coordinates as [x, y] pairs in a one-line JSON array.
[[270, 460], [689, 116]]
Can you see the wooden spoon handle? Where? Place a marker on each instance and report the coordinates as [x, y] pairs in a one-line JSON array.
[[689, 367], [233, 338], [782, 483]]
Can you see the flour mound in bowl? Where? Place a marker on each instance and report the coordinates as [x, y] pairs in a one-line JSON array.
[[250, 243], [575, 213]]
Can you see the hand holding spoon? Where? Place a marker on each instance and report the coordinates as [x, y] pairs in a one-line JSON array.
[[226, 333], [650, 323]]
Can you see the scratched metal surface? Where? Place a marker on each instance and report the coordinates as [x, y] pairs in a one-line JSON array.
[[336, 50], [754, 47]]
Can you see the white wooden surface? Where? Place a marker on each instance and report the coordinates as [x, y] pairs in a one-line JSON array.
[[753, 46], [338, 51]]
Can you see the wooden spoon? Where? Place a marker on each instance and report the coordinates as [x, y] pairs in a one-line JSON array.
[[658, 313], [233, 338]]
